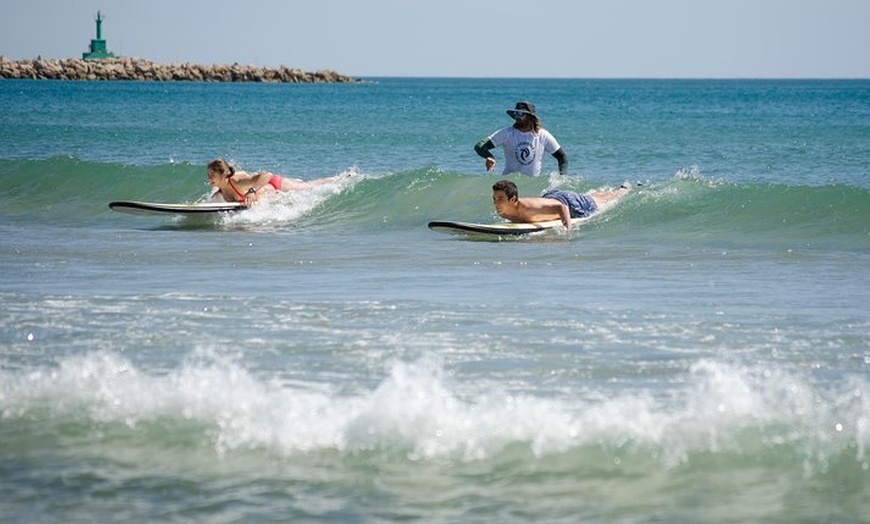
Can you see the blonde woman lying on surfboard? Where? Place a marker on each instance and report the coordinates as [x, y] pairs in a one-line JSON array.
[[553, 205], [240, 186]]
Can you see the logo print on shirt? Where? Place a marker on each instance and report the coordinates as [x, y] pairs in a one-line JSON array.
[[525, 153]]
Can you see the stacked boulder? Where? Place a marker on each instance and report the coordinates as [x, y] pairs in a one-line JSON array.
[[138, 69]]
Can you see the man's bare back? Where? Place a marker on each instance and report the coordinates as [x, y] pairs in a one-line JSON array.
[[509, 205]]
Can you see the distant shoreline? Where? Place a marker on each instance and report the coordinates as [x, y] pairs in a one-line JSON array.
[[138, 69]]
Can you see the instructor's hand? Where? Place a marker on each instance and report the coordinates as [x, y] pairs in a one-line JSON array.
[[490, 164]]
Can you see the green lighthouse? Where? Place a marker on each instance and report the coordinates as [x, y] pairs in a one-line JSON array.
[[98, 45]]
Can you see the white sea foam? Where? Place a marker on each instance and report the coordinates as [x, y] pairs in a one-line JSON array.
[[417, 408], [292, 205]]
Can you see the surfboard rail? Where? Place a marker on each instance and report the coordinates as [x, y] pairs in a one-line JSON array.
[[496, 229], [160, 208]]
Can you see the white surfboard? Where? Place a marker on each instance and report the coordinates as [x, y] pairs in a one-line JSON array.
[[156, 208], [498, 229]]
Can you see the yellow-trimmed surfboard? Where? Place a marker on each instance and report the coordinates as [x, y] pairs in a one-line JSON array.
[[498, 229]]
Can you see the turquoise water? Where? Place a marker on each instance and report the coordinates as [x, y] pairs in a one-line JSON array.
[[698, 353]]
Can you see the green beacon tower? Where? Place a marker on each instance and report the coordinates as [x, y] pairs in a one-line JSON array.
[[98, 45]]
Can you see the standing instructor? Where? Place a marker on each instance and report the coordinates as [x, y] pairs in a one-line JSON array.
[[524, 144]]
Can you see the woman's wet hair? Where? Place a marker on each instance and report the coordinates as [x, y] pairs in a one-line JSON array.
[[221, 167]]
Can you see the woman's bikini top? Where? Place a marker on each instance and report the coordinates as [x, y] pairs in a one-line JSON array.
[[242, 197]]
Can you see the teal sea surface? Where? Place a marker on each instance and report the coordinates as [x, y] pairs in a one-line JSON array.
[[698, 353]]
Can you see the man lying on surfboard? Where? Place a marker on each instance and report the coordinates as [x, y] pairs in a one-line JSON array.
[[240, 186], [553, 205]]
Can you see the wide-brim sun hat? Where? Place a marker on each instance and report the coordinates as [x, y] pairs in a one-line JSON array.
[[523, 107]]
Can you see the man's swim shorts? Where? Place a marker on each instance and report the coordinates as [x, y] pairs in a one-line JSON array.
[[580, 205]]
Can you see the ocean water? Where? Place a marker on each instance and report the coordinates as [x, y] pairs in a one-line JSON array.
[[698, 353]]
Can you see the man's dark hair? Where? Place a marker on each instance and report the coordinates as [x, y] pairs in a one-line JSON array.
[[509, 188]]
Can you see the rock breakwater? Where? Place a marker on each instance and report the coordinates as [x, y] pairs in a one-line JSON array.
[[144, 70]]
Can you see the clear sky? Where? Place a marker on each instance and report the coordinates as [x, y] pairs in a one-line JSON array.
[[465, 38]]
